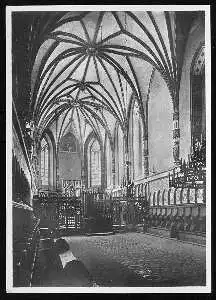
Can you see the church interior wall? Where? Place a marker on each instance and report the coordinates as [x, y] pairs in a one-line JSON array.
[[159, 126], [196, 37], [161, 183]]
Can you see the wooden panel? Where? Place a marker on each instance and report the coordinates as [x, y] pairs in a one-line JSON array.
[[178, 196], [185, 196], [200, 195], [25, 244], [165, 196], [172, 196], [192, 195]]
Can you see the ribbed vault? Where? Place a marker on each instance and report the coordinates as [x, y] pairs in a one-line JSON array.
[[90, 64]]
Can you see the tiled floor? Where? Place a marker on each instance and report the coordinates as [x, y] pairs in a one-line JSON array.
[[136, 259]]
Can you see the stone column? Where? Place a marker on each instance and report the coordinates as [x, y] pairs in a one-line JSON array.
[[36, 174], [83, 174], [113, 170], [145, 143], [36, 162], [176, 138], [127, 163], [145, 157], [57, 169]]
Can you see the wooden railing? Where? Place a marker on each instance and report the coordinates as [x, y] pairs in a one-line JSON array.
[[26, 236], [127, 211], [182, 209], [57, 212], [97, 212]]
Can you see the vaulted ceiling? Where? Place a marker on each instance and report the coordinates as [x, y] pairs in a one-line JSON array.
[[88, 64]]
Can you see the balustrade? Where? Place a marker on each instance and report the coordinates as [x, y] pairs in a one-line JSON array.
[[57, 212], [182, 212], [176, 209], [129, 211]]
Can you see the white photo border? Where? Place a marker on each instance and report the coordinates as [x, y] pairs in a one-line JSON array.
[[9, 254]]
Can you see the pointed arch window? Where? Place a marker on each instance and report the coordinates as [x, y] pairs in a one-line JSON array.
[[108, 162], [121, 152], [44, 162], [94, 163], [69, 143], [119, 156], [137, 141], [140, 147]]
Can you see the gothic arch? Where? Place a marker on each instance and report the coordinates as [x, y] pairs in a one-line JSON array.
[[135, 142], [108, 161], [49, 138], [91, 137], [119, 144]]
